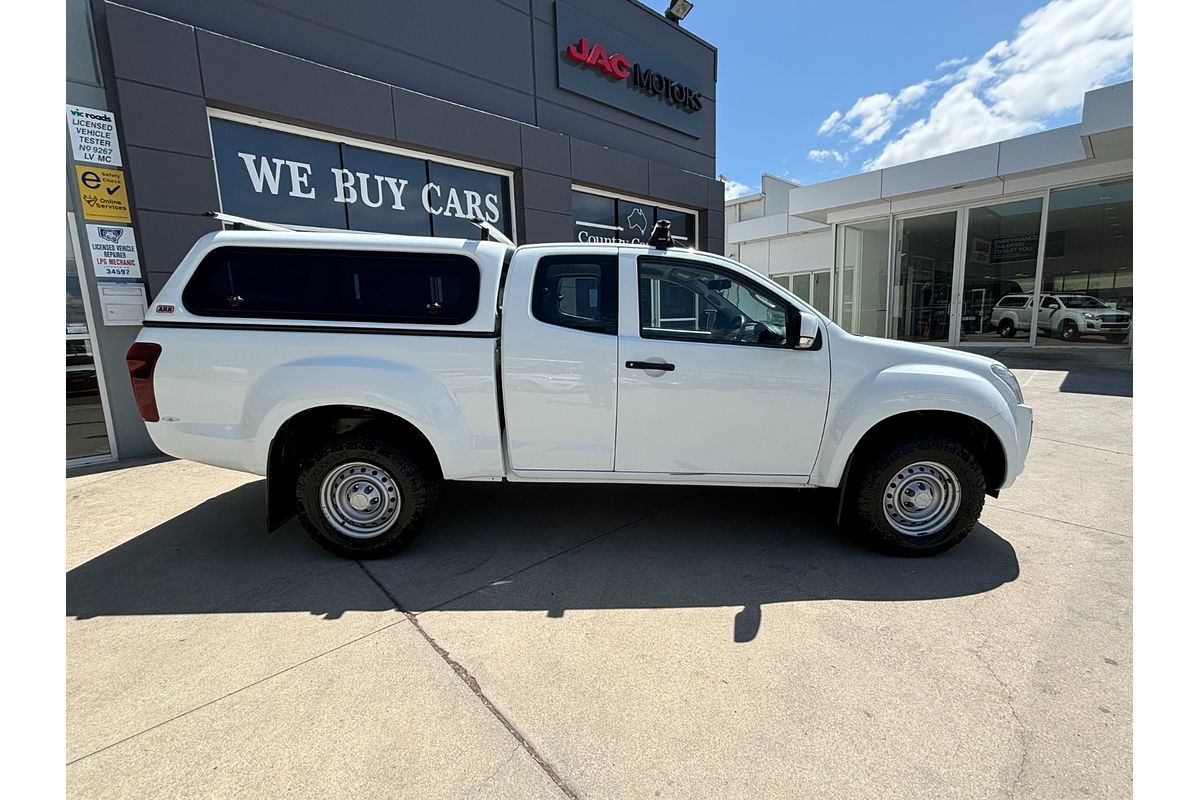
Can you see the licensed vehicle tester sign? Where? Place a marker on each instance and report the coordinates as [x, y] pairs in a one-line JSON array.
[[274, 176], [114, 252], [93, 136]]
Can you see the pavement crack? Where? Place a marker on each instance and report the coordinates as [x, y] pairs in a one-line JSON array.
[[1022, 733], [227, 695], [516, 748], [473, 684], [1061, 521], [1088, 446]]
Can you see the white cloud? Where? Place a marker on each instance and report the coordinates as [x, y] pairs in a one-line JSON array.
[[830, 122], [871, 117], [827, 155], [734, 189], [1059, 52], [951, 62]]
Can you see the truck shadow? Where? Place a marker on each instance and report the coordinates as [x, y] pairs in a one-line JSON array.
[[551, 548]]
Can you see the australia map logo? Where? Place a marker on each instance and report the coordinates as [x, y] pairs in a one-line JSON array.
[[112, 234], [637, 220]]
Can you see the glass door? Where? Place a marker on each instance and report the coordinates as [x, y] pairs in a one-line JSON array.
[[1000, 271], [88, 427], [861, 259], [922, 307]]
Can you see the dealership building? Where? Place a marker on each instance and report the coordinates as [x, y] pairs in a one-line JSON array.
[[586, 121], [964, 249]]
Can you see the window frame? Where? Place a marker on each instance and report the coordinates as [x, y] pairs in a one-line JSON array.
[[609, 277], [472, 285], [790, 311]]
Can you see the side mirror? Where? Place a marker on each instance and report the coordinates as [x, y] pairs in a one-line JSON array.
[[802, 329]]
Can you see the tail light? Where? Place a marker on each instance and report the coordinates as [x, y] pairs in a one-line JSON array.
[[140, 359]]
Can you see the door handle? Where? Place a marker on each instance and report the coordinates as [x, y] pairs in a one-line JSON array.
[[658, 365]]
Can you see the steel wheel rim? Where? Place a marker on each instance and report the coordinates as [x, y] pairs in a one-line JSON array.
[[360, 500], [921, 498]]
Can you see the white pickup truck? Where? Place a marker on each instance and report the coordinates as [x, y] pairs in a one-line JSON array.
[[358, 371]]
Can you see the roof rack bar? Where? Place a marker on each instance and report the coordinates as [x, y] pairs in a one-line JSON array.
[[492, 232], [245, 222]]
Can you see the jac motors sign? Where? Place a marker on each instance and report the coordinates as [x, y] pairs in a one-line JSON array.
[[604, 64], [282, 177]]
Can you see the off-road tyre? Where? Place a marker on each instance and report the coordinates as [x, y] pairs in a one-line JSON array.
[[874, 481], [415, 493]]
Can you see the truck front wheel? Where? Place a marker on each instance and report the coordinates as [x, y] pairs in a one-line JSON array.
[[363, 498], [920, 496]]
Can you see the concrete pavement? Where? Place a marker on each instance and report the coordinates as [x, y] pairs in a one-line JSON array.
[[611, 641]]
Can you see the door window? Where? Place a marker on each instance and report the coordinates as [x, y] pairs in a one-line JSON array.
[[577, 291], [694, 302]]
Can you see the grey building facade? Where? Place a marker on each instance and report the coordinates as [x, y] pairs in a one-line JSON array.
[[569, 121]]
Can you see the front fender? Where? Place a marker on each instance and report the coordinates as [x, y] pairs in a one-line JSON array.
[[857, 408]]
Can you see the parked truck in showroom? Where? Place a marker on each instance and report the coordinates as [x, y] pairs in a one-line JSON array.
[[359, 371]]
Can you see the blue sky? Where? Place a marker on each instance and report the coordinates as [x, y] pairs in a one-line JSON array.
[[812, 91]]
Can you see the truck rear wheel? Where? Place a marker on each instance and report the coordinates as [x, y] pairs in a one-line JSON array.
[[920, 496], [364, 498]]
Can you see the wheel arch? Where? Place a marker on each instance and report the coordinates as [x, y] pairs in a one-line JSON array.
[[302, 433], [973, 432]]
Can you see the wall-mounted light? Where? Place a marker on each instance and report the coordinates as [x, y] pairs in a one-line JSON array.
[[678, 10]]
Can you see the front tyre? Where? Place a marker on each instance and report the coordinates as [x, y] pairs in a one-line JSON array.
[[920, 496], [364, 498]]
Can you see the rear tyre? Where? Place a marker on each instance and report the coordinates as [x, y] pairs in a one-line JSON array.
[[920, 496], [1007, 329], [364, 498]]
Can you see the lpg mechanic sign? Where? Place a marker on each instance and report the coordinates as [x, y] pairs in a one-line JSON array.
[[94, 136], [114, 252]]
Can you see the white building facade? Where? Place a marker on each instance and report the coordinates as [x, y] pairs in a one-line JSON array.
[[966, 249]]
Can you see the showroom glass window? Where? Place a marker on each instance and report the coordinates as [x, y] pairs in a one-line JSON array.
[[1089, 255], [601, 218], [862, 267]]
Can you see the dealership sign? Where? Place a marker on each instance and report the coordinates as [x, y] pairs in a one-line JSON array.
[[604, 64], [288, 178]]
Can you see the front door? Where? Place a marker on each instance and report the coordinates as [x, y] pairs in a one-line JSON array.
[[731, 398]]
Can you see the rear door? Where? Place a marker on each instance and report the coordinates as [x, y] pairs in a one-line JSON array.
[[559, 359], [731, 397]]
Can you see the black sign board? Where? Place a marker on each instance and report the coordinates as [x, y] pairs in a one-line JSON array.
[[598, 61], [274, 176]]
